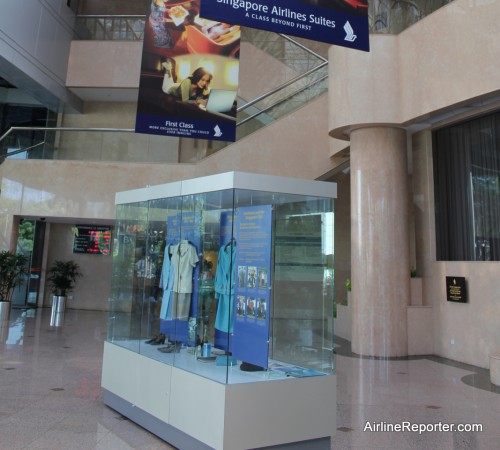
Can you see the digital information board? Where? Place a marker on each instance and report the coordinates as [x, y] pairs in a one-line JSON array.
[[92, 239]]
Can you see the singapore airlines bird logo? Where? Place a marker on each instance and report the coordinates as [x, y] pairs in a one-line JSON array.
[[218, 132], [349, 32]]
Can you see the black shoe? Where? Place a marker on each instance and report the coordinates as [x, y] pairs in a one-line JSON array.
[[158, 340], [151, 340]]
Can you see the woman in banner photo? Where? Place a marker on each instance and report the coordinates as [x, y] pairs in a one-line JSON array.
[[193, 89], [158, 22]]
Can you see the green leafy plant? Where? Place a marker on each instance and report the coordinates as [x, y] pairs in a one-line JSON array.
[[13, 268], [62, 277], [413, 272], [347, 284]]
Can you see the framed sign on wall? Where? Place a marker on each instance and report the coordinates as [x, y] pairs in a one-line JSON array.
[[456, 289]]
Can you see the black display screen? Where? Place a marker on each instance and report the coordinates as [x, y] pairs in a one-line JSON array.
[[92, 239]]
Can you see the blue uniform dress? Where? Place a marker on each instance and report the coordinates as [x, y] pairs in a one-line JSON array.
[[166, 283], [224, 287], [184, 260]]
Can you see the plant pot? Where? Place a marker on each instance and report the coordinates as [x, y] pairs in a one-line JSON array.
[[5, 308], [57, 312]]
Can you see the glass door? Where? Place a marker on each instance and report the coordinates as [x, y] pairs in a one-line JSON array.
[[30, 239]]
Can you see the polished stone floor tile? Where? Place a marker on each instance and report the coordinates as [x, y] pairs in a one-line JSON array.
[[51, 398]]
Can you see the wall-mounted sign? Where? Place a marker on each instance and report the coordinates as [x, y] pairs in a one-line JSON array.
[[339, 22], [92, 239], [456, 289]]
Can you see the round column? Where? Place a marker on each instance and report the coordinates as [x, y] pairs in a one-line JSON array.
[[380, 256]]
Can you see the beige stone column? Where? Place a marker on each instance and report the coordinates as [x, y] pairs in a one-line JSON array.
[[380, 260]]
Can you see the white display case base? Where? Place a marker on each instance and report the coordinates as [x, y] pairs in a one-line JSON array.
[[192, 412]]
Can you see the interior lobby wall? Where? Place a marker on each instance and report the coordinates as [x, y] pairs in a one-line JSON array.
[[73, 189], [92, 288], [466, 332], [442, 61], [296, 146], [35, 42], [113, 146]]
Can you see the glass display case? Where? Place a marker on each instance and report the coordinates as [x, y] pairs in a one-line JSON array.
[[226, 277]]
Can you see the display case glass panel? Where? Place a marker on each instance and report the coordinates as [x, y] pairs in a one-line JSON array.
[[234, 284]]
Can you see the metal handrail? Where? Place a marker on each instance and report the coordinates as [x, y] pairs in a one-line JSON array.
[[61, 129], [21, 150], [289, 82], [277, 89], [302, 46], [261, 97], [132, 130], [246, 119], [281, 87]]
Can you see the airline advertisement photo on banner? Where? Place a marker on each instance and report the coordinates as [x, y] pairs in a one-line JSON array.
[[338, 22], [189, 73]]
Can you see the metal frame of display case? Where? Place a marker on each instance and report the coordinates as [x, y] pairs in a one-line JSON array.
[[191, 410]]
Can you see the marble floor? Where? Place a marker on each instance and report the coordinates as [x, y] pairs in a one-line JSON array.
[[50, 395]]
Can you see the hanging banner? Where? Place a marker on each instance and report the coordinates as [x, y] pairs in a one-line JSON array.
[[189, 73], [339, 22]]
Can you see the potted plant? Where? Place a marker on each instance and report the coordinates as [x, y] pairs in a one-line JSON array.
[[62, 277], [13, 269]]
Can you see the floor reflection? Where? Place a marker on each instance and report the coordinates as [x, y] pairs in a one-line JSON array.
[[50, 394]]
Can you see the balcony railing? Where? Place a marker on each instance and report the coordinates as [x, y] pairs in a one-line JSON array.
[[92, 27], [310, 80], [395, 16], [110, 144], [384, 16]]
